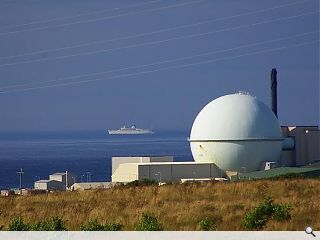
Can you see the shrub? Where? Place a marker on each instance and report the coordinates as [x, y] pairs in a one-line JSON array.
[[258, 217], [207, 225], [94, 225], [144, 182], [281, 213], [148, 223], [55, 224], [17, 224]]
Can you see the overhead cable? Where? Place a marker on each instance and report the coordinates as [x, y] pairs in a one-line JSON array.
[[164, 68], [150, 33], [155, 42]]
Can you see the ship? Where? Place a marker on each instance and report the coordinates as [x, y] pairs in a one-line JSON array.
[[129, 130]]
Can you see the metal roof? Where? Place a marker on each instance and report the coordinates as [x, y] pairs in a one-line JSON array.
[[88, 185], [275, 172]]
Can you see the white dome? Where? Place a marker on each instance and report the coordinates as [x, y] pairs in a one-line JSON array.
[[236, 132]]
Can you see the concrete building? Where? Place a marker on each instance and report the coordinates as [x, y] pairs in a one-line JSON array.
[[49, 185], [66, 178], [165, 171], [57, 182], [91, 185], [301, 145], [6, 193], [116, 161]]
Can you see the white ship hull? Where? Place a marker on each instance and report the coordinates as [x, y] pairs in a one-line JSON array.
[[129, 131]]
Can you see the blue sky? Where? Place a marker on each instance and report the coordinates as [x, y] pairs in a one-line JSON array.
[[92, 65]]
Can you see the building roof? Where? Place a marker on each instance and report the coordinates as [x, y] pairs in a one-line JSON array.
[[46, 181], [59, 173], [173, 163], [88, 185], [275, 172]]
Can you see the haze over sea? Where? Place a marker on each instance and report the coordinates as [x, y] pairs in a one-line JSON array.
[[79, 152]]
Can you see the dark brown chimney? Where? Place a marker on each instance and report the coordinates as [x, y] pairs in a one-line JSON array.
[[274, 102]]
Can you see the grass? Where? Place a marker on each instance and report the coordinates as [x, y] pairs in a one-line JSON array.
[[176, 207]]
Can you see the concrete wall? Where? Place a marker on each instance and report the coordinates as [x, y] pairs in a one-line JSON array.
[[126, 172], [116, 161]]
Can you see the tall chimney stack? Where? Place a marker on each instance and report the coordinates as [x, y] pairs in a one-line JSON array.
[[274, 91]]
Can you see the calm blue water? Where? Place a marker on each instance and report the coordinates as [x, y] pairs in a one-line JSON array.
[[41, 154]]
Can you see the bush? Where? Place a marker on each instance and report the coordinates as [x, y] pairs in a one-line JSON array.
[[94, 225], [148, 223], [17, 224], [258, 217], [144, 182], [281, 213], [55, 224], [207, 225]]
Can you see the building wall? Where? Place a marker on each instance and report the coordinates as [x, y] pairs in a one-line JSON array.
[[58, 177], [155, 172], [116, 161], [306, 148], [126, 172]]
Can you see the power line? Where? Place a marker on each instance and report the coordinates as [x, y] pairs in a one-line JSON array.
[[165, 68], [102, 18], [79, 15], [207, 53], [152, 32], [155, 42]]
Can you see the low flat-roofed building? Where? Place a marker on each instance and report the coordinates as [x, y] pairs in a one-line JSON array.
[[49, 185], [91, 185], [6, 193], [165, 171]]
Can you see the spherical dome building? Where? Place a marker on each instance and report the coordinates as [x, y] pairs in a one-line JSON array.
[[236, 132]]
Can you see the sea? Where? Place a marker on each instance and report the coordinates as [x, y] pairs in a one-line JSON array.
[[87, 154]]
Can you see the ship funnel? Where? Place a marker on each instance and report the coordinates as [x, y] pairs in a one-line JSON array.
[[274, 102]]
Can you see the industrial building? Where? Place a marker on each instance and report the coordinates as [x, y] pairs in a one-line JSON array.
[[91, 185], [57, 182], [233, 134], [165, 171], [50, 185], [301, 145]]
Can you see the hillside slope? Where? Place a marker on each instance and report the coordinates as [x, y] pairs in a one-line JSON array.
[[177, 207]]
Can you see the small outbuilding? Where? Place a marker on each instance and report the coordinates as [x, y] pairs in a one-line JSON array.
[[91, 185]]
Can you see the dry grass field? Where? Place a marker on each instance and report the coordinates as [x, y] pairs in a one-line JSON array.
[[177, 207]]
